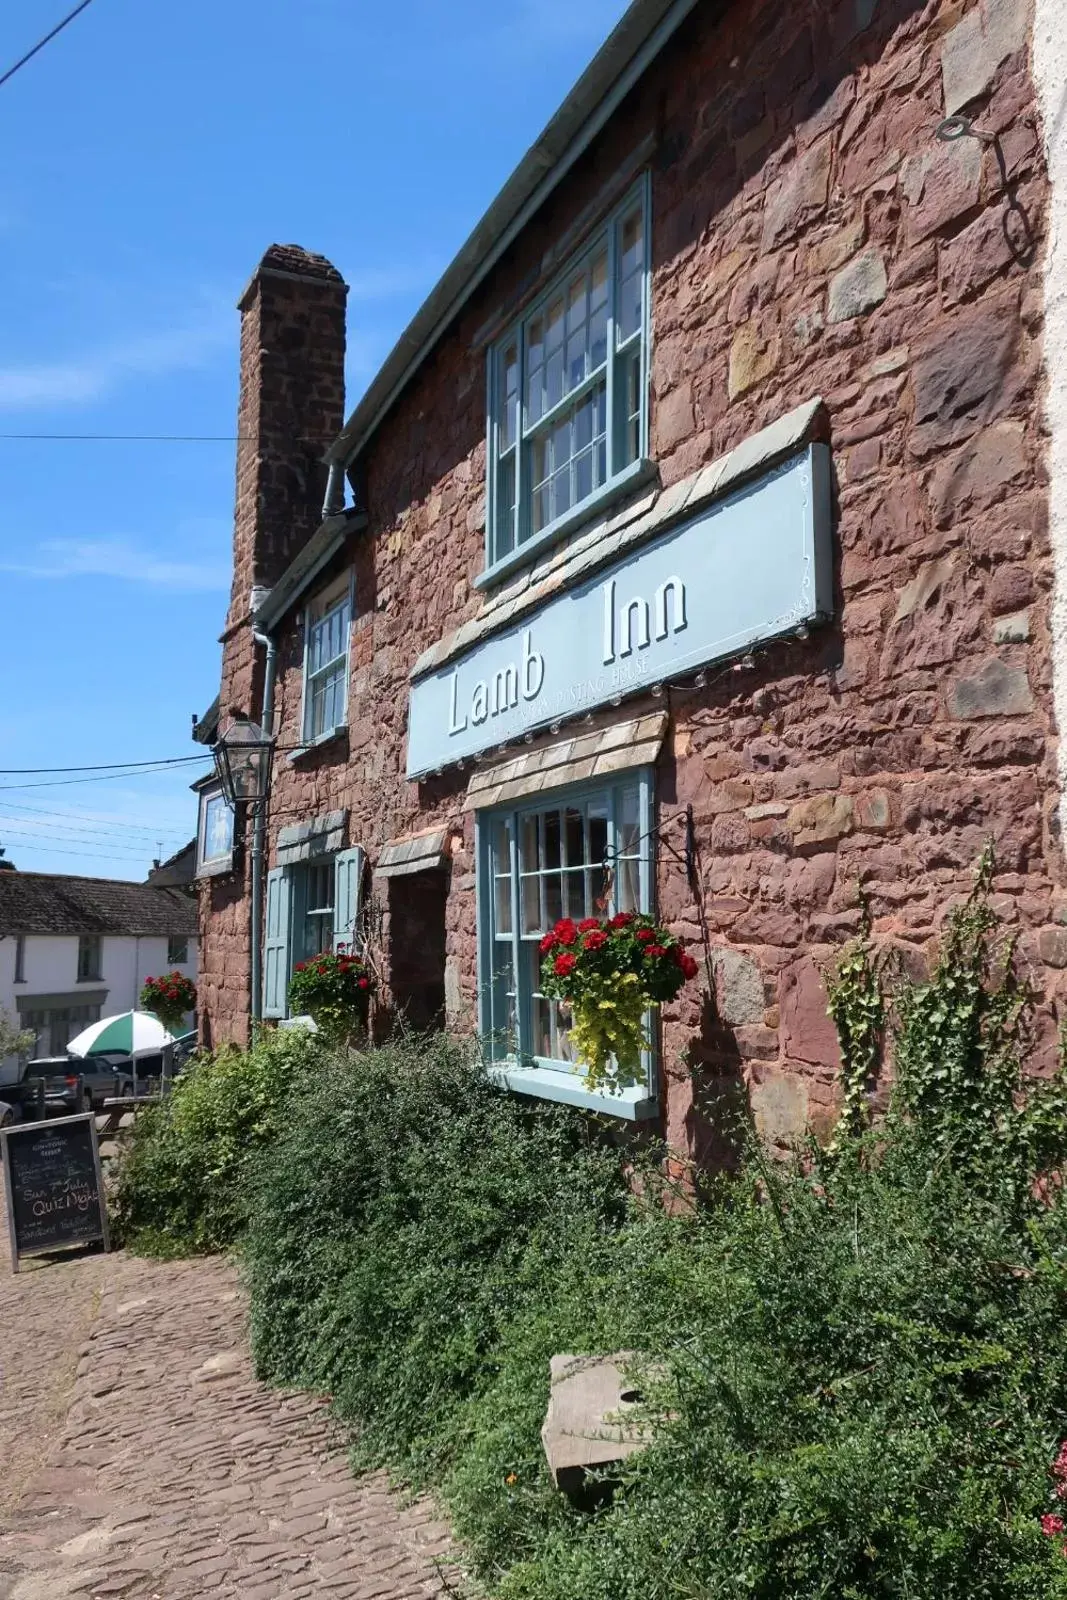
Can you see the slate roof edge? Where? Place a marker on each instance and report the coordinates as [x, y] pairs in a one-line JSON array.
[[638, 38], [306, 565]]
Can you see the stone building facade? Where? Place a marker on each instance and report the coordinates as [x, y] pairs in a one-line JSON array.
[[837, 363]]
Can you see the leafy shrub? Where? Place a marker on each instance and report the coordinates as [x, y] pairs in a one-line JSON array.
[[405, 1214], [184, 1181], [865, 1381], [856, 1366]]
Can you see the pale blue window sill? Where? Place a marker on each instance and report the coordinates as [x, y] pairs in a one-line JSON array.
[[633, 1104], [638, 472], [315, 744]]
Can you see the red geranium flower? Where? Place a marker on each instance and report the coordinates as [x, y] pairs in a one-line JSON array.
[[622, 919], [566, 930], [688, 965], [565, 965], [588, 923], [645, 936], [1051, 1525], [655, 950], [549, 942], [595, 940], [364, 983]]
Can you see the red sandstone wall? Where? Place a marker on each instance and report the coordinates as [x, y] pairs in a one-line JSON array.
[[809, 237]]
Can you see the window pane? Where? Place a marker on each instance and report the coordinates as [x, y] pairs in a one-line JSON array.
[[628, 818], [628, 884], [552, 839], [529, 847], [574, 894], [574, 836], [505, 505], [631, 392], [577, 331], [531, 905], [548, 1021], [631, 277], [502, 1025], [598, 314], [583, 476], [501, 849], [508, 380], [553, 883], [502, 845], [535, 355], [553, 381], [503, 906]]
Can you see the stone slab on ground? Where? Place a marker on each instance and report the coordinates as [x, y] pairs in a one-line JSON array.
[[141, 1458]]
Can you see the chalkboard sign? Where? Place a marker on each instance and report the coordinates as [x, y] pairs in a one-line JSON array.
[[55, 1194]]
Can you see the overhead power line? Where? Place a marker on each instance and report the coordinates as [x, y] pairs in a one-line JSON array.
[[69, 835], [20, 847], [106, 766], [16, 808], [34, 842], [11, 71], [141, 438], [103, 777]]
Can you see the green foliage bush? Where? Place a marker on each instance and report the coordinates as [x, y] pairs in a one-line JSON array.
[[862, 1362], [405, 1214], [855, 1365], [184, 1181]]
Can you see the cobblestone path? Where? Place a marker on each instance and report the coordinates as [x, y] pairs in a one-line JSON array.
[[139, 1457]]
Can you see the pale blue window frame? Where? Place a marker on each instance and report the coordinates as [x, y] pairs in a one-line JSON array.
[[327, 632], [601, 409], [517, 893]]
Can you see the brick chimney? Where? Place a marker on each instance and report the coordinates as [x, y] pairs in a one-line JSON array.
[[291, 407]]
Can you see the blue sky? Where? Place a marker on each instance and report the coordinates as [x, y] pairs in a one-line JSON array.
[[152, 152]]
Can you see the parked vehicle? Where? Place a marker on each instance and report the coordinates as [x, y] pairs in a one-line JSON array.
[[55, 1078], [7, 1114], [103, 1079]]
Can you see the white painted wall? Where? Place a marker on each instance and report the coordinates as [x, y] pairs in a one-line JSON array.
[[51, 967], [1049, 60]]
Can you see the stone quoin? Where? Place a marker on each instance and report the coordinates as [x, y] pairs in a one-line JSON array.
[[508, 660]]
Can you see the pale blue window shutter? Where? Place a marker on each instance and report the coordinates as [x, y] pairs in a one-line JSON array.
[[348, 883], [276, 943]]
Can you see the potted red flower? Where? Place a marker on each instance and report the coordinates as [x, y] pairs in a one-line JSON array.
[[335, 990], [609, 971], [169, 999]]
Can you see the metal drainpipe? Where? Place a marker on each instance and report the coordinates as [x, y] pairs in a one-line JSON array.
[[259, 829], [333, 503]]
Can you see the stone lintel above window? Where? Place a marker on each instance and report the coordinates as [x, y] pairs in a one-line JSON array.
[[422, 852], [305, 841], [617, 748]]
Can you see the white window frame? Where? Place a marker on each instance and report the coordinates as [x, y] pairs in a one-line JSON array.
[[620, 472], [338, 596], [511, 1059]]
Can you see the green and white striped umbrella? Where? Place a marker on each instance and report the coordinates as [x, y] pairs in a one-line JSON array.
[[132, 1033]]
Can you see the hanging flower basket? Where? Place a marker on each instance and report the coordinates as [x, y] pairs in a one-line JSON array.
[[609, 972], [169, 999], [335, 990]]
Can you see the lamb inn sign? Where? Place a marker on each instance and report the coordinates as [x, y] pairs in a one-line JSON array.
[[752, 567]]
